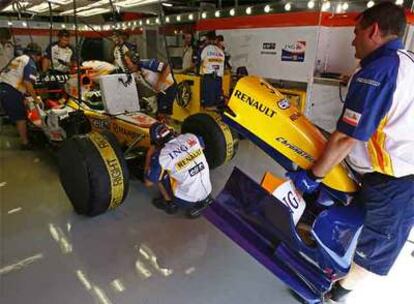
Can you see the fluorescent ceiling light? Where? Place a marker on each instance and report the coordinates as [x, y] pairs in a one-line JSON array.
[[94, 11], [132, 3], [41, 8], [60, 2], [10, 7], [167, 4], [288, 6], [86, 7]]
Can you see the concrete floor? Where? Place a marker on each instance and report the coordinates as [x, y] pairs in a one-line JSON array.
[[135, 254]]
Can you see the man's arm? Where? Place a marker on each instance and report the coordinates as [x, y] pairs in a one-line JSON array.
[[338, 147], [46, 63], [29, 87]]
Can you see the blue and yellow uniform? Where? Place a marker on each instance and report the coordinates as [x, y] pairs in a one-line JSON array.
[[211, 68], [157, 75], [12, 88], [379, 111], [182, 167]]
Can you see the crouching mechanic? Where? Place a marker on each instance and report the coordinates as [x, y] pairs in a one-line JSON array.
[[178, 166], [158, 77], [375, 131], [16, 80]]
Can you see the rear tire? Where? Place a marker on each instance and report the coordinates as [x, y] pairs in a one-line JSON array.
[[221, 142], [93, 172]]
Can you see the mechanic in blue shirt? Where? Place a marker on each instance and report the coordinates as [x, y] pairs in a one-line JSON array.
[[60, 55], [16, 80], [157, 76], [375, 133]]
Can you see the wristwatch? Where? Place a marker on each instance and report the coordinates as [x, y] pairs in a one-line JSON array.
[[314, 177]]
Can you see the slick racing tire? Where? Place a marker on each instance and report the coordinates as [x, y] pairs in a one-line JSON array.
[[93, 172], [221, 142]]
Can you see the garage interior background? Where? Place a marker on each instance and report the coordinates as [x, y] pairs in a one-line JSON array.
[[256, 36]]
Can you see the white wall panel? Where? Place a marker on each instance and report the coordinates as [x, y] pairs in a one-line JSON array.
[[247, 48]]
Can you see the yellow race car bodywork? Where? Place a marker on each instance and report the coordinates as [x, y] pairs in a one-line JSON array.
[[127, 128], [270, 119], [194, 105]]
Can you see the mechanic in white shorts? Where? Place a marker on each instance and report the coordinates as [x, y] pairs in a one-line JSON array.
[[178, 166]]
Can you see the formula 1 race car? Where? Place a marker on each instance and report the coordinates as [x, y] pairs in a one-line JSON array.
[[97, 135], [307, 242]]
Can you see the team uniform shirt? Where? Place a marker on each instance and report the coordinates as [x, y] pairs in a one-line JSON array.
[[60, 57], [379, 112], [6, 54], [119, 53], [182, 158], [188, 57], [20, 69], [150, 71], [211, 60]]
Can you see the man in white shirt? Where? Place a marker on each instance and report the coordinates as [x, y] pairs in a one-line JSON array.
[[211, 68], [16, 80], [178, 166], [59, 56], [123, 50], [188, 54]]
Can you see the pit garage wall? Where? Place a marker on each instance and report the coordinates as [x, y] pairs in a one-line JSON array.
[[258, 43], [260, 50]]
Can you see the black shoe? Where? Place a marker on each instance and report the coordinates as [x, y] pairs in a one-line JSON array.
[[171, 208], [159, 203], [196, 210]]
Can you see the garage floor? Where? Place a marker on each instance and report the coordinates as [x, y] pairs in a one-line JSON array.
[[136, 254]]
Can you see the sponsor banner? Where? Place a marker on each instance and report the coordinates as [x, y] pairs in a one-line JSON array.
[[268, 48], [294, 51], [260, 51]]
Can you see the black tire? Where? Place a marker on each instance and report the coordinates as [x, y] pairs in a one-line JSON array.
[[221, 142], [85, 176]]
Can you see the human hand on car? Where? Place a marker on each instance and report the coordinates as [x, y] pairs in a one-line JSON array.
[[304, 180]]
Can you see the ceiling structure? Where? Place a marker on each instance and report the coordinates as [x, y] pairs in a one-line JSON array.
[[87, 8]]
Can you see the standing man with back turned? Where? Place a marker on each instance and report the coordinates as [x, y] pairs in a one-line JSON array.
[[375, 133]]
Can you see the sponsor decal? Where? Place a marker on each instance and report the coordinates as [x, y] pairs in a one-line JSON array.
[[196, 169], [269, 48], [255, 104], [284, 104], [295, 149], [295, 116], [99, 124], [214, 54], [191, 142], [368, 82], [178, 151], [294, 51], [191, 156], [351, 117], [119, 130]]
